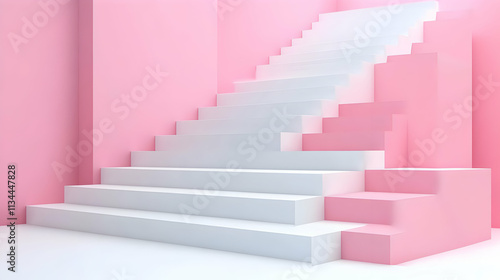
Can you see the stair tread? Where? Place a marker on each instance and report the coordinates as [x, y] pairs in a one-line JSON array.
[[293, 78], [250, 195], [306, 230], [270, 104]]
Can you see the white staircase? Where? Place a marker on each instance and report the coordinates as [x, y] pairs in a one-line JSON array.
[[236, 179]]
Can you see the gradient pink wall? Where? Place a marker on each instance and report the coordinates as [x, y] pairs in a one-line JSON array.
[[253, 30], [38, 98], [486, 80], [177, 36]]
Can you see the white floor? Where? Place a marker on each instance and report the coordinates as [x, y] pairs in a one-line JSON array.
[[46, 253]]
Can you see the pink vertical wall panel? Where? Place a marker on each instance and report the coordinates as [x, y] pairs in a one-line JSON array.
[[251, 31], [38, 98], [154, 63]]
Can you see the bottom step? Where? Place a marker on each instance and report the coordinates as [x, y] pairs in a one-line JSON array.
[[315, 243]]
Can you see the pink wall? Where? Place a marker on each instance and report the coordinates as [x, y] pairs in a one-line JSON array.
[[486, 82], [38, 98], [132, 39], [250, 31], [85, 84]]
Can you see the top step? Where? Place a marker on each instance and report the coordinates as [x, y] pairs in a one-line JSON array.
[[424, 6]]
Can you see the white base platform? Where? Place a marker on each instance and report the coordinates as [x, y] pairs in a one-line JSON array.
[[53, 254]]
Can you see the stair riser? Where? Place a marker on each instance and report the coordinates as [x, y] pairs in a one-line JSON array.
[[335, 125], [280, 121], [265, 244], [199, 143], [345, 141], [203, 204], [310, 82], [364, 54], [279, 183], [295, 95], [313, 108], [329, 160], [267, 72], [372, 211]]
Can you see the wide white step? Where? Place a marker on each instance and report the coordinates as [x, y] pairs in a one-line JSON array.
[[284, 141], [343, 45], [323, 108], [264, 207], [298, 182], [311, 160], [297, 243], [292, 83], [312, 68], [278, 96], [373, 22], [280, 121], [368, 53], [364, 13]]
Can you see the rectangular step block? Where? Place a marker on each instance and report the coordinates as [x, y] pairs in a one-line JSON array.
[[289, 242], [277, 96], [345, 141], [320, 160], [364, 54], [284, 141], [264, 207], [372, 109], [375, 207], [280, 121], [323, 108], [309, 68], [292, 83], [351, 124], [296, 182]]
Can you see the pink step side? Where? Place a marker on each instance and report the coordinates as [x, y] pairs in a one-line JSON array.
[[357, 133], [372, 109], [454, 210], [436, 82]]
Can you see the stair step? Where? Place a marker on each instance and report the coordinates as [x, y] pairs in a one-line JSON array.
[[351, 124], [291, 83], [321, 160], [280, 121], [319, 42], [345, 141], [297, 182], [422, 7], [372, 109], [284, 141], [297, 243], [425, 180], [311, 68], [314, 108], [278, 96], [374, 207], [264, 207], [371, 243], [367, 53]]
